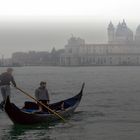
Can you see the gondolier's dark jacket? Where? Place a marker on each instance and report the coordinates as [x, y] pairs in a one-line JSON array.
[[6, 78]]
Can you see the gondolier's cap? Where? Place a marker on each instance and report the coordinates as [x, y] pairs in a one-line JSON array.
[[9, 69], [42, 82]]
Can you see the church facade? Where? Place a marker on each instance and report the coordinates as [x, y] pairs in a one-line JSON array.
[[122, 48]]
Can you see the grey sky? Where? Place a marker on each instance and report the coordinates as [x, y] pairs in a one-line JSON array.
[[42, 37], [41, 24]]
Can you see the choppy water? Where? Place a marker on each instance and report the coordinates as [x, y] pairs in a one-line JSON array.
[[109, 110]]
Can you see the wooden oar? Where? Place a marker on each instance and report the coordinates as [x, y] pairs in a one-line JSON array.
[[56, 114]]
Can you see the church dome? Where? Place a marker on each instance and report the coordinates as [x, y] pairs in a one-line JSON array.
[[138, 30], [137, 36], [123, 34]]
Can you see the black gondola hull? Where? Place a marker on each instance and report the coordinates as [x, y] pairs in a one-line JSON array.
[[20, 116]]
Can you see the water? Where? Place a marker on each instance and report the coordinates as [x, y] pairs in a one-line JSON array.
[[109, 110]]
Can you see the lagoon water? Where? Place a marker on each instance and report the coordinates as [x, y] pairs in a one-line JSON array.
[[109, 109]]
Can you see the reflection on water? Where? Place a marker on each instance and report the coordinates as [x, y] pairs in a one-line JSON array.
[[44, 131], [16, 132]]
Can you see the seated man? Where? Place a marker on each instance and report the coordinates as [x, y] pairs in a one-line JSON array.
[[41, 94]]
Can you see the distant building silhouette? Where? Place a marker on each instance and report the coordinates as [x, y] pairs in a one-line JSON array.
[[33, 58], [137, 36], [122, 49], [121, 35]]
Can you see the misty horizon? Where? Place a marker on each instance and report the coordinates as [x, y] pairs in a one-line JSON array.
[[29, 35], [40, 26]]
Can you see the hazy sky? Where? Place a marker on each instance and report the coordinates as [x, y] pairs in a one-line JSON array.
[[42, 24]]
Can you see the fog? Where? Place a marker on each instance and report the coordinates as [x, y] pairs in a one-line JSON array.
[[42, 25], [43, 35]]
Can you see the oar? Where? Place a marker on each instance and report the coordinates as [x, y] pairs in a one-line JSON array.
[[41, 104]]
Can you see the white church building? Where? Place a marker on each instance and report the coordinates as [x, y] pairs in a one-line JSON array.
[[123, 48]]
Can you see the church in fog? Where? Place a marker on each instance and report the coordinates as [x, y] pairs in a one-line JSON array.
[[122, 48]]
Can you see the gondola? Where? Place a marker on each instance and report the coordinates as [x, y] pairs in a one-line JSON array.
[[29, 114]]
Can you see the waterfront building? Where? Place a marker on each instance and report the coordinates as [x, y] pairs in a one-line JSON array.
[[122, 48]]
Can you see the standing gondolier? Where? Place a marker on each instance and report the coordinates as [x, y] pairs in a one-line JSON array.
[[6, 79]]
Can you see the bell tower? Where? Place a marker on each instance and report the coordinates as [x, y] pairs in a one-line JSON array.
[[111, 33]]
